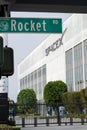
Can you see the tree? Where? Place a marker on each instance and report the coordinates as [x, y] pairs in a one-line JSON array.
[[83, 93], [73, 102], [53, 92], [26, 100]]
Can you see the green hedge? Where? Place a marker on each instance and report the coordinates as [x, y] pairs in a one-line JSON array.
[[16, 128], [11, 122], [7, 127], [3, 126]]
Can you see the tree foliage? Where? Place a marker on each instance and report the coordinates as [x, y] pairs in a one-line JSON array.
[[53, 92], [26, 100], [83, 93], [73, 102]]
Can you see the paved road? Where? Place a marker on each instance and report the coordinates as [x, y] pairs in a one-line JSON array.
[[75, 127]]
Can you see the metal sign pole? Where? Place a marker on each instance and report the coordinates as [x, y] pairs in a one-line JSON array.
[[4, 80]]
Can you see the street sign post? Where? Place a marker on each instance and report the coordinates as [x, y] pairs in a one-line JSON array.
[[1, 52], [30, 25]]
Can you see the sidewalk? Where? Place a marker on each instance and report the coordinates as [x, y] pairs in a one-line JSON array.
[[74, 127]]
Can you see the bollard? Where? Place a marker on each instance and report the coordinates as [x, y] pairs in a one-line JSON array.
[[65, 123], [86, 120], [58, 116], [23, 122], [71, 121], [82, 121], [59, 121], [35, 121], [47, 121]]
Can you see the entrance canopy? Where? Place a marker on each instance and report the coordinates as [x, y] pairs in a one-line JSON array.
[[67, 6]]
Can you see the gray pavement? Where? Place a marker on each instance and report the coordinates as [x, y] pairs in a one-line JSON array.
[[74, 127]]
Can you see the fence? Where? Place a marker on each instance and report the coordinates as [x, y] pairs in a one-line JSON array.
[[67, 114]]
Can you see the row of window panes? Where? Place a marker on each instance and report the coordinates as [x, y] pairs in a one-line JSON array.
[[35, 80], [78, 75], [69, 57], [85, 59], [78, 64], [78, 52]]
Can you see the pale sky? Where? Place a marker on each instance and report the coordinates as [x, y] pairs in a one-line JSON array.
[[23, 44]]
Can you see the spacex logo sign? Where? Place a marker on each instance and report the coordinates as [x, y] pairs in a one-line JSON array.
[[55, 45]]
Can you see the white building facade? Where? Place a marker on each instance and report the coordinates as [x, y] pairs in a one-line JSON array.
[[59, 57]]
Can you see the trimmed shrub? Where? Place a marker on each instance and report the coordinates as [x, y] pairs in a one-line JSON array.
[[53, 92], [16, 128], [7, 127], [11, 122]]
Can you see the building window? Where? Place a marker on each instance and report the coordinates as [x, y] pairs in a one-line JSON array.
[[35, 80], [28, 81], [85, 61], [69, 70], [78, 67]]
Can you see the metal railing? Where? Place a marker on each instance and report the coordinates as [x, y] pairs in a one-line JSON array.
[[41, 116]]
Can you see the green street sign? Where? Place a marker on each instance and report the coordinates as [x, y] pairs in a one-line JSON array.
[[30, 25], [1, 52]]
